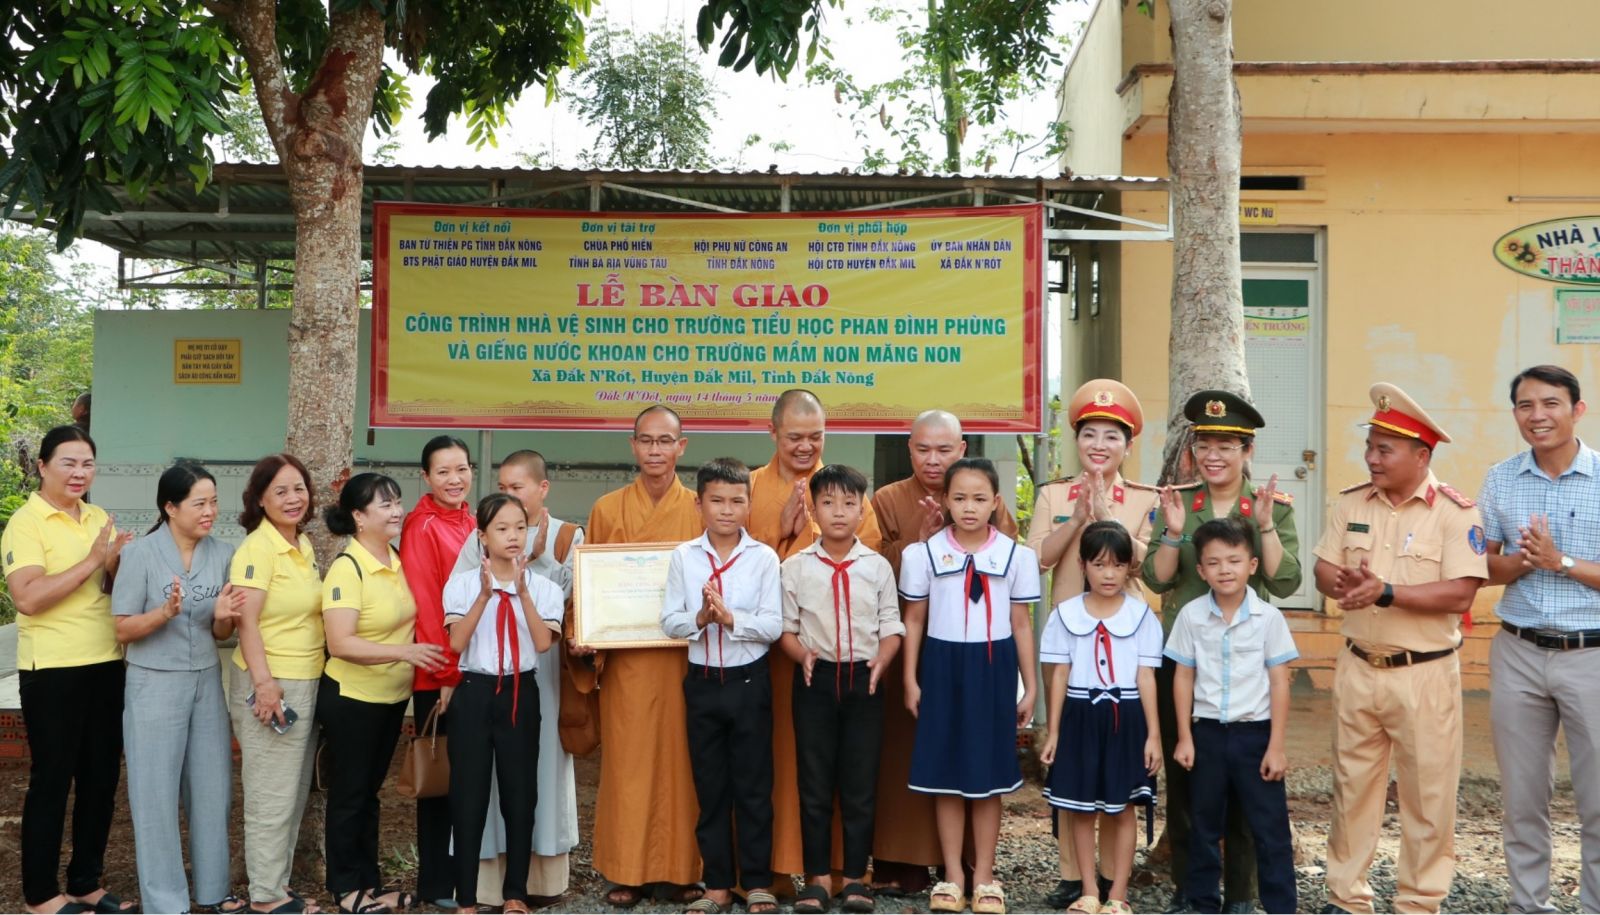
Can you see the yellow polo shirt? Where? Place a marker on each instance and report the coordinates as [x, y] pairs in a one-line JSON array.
[[291, 620], [79, 630], [385, 615]]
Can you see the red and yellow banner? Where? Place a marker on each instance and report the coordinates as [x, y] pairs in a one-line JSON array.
[[530, 319]]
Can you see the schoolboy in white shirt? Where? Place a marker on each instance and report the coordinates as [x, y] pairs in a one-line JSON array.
[[1231, 692], [723, 596]]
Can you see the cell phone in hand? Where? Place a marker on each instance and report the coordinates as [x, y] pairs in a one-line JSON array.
[[290, 716]]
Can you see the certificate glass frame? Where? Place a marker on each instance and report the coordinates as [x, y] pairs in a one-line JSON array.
[[617, 594]]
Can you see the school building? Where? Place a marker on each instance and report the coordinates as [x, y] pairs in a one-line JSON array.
[[1390, 151]]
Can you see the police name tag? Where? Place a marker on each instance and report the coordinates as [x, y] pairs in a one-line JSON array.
[[1359, 528]]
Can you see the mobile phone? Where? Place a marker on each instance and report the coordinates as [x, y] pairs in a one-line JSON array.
[[290, 716]]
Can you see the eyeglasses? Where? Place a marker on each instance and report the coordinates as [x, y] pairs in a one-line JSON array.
[[647, 443], [1227, 450]]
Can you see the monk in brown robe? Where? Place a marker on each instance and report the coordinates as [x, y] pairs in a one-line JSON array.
[[781, 517], [905, 841], [645, 814]]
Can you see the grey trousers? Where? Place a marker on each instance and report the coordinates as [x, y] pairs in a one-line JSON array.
[[180, 753], [1534, 691], [276, 772]]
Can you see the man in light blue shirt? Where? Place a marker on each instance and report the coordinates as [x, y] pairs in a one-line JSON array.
[[1541, 516]]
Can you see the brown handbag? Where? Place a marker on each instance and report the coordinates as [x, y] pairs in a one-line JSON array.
[[425, 772]]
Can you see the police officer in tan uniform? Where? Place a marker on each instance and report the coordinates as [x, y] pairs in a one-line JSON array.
[[1105, 417], [1403, 557]]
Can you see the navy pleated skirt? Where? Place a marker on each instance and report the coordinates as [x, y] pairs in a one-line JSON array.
[[1100, 758], [967, 724]]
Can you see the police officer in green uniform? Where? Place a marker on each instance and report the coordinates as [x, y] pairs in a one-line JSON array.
[[1225, 427]]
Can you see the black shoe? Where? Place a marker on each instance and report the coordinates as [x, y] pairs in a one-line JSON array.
[[1239, 908], [1066, 893], [1331, 909], [1104, 883], [1177, 904]]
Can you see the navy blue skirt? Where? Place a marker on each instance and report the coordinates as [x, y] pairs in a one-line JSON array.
[[967, 724], [1100, 758]]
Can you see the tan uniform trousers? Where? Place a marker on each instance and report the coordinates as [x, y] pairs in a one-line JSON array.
[[1413, 715]]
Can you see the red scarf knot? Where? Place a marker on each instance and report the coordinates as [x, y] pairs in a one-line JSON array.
[[1106, 668], [841, 581], [505, 627], [716, 582]]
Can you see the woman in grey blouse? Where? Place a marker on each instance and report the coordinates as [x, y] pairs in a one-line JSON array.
[[172, 601]]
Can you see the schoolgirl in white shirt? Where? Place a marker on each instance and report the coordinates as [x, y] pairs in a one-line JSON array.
[[968, 636], [500, 617]]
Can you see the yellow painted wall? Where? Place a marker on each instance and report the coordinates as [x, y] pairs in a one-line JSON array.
[[1089, 102], [1414, 295], [1370, 30]]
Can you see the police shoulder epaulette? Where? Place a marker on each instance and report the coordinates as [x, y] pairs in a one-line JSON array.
[[1454, 495], [1130, 484], [1184, 487], [1283, 498], [1358, 486], [1057, 480]]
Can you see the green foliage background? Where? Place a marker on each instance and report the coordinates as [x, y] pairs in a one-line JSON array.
[[46, 348]]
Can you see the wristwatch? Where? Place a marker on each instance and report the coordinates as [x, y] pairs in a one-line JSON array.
[[1567, 564], [1387, 597]]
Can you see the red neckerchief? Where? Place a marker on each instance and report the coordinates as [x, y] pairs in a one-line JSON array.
[[1102, 644], [841, 579], [978, 585], [505, 628], [716, 582]]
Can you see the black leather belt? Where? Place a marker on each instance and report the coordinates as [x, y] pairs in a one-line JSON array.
[[1555, 641], [1403, 659]]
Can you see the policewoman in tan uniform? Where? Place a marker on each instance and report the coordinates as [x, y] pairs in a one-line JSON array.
[[1403, 556], [1105, 417]]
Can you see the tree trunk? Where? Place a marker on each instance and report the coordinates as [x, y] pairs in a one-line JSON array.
[[1206, 345], [318, 134]]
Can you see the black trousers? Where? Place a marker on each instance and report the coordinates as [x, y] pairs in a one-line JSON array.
[[838, 735], [729, 714], [361, 739], [436, 872], [74, 721], [483, 737], [1227, 779], [1239, 873]]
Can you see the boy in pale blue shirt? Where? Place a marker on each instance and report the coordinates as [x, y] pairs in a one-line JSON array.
[[1231, 693]]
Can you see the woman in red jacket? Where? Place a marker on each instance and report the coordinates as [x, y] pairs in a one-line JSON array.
[[429, 543]]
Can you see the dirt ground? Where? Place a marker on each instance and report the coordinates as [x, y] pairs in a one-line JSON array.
[[1027, 855]]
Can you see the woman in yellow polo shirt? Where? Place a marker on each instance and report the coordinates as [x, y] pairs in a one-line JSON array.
[[58, 551], [369, 615], [272, 694]]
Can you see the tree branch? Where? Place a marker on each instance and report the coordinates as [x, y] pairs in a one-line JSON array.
[[254, 24]]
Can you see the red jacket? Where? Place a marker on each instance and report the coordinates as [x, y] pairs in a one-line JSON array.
[[430, 541]]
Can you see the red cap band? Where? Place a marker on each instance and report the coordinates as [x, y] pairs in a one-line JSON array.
[[1408, 426]]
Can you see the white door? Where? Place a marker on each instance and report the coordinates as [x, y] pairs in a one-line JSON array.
[[1283, 353]]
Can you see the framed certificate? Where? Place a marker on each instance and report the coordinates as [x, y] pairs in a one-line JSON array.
[[617, 593]]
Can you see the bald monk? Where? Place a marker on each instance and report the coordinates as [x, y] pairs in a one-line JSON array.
[[781, 517], [645, 814], [905, 841]]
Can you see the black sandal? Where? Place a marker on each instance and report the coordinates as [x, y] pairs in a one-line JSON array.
[[403, 901], [371, 906], [631, 896], [813, 900], [858, 897], [108, 904], [227, 905]]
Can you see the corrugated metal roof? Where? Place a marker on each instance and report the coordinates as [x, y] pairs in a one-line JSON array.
[[244, 215]]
